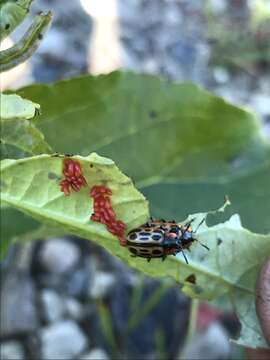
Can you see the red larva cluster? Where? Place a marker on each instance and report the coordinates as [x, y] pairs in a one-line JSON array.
[[73, 177], [104, 213]]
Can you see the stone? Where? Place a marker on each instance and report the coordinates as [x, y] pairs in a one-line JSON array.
[[221, 75], [101, 285], [76, 282], [11, 350], [217, 6], [69, 34], [62, 340], [59, 255], [171, 14], [261, 103], [19, 256], [212, 344], [54, 42], [18, 305], [128, 10], [170, 326], [150, 66], [73, 309], [95, 354], [52, 304], [266, 127]]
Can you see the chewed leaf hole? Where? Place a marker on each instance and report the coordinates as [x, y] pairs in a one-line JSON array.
[[219, 241], [191, 279]]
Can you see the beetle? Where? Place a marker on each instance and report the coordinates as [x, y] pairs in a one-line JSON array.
[[159, 238]]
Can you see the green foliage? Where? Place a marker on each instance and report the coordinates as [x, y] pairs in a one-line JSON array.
[[27, 45], [16, 129], [231, 267], [242, 44], [12, 14], [185, 149], [32, 185], [14, 225]]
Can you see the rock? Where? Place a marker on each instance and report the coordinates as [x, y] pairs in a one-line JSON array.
[[59, 255], [212, 344], [266, 128], [73, 309], [170, 326], [11, 350], [157, 321], [18, 310], [128, 10], [63, 341], [95, 354], [19, 256], [68, 276], [52, 304], [69, 34], [150, 66], [76, 281], [172, 15], [32, 345], [184, 52], [217, 6], [221, 75], [93, 327], [261, 103], [101, 285]]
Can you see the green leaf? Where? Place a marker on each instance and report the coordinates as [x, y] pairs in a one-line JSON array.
[[184, 148], [27, 45], [15, 107], [16, 129], [12, 14], [32, 185], [14, 225], [229, 269]]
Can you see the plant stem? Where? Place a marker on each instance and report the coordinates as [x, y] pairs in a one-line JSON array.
[[192, 320]]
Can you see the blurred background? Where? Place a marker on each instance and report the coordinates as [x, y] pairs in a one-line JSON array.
[[66, 298]]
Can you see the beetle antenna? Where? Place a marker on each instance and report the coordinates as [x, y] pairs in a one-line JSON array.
[[187, 225], [202, 221], [206, 247]]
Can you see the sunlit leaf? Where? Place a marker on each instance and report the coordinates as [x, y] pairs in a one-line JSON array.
[[32, 185], [17, 129], [184, 148]]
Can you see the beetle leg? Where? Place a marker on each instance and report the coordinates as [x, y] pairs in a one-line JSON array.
[[184, 255]]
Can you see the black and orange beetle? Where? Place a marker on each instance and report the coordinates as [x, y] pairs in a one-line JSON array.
[[159, 238]]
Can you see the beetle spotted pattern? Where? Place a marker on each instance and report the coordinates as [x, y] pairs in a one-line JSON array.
[[159, 238]]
